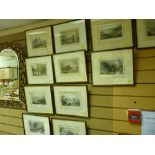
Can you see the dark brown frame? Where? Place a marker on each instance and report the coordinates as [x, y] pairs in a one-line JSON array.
[[30, 114], [88, 107], [64, 119], [54, 41], [70, 82], [52, 99], [107, 85], [22, 77], [117, 48], [51, 70]]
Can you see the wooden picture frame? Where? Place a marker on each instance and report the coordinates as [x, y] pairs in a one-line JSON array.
[[68, 127], [39, 70], [145, 33], [39, 42], [70, 67], [111, 34], [36, 125], [70, 36], [71, 100], [39, 99], [112, 67]]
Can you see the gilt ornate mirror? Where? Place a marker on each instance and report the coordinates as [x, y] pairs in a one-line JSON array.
[[12, 76]]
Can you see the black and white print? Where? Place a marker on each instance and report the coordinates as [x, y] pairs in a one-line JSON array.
[[111, 67], [150, 27], [38, 69], [38, 42], [68, 66], [69, 36], [110, 31], [68, 130], [36, 127], [70, 99], [38, 98]]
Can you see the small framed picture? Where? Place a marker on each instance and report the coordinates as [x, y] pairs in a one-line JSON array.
[[145, 33], [71, 100], [39, 70], [36, 125], [39, 42], [39, 99], [111, 34], [70, 67], [67, 127], [70, 36], [112, 67]]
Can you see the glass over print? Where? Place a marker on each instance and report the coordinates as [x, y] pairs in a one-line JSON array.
[[70, 36], [112, 67]]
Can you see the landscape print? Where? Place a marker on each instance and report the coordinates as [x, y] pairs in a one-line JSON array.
[[38, 98], [70, 99], [68, 130], [111, 67], [36, 127], [38, 69], [38, 42], [110, 31], [150, 27], [68, 66], [69, 36]]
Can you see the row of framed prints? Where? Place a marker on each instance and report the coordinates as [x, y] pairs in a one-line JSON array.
[[41, 125], [106, 34], [108, 68], [69, 100]]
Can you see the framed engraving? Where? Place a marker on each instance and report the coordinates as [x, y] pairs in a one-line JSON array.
[[67, 127], [70, 67], [112, 67], [111, 34], [71, 100], [39, 42], [38, 99], [36, 125], [39, 70], [146, 33], [70, 36]]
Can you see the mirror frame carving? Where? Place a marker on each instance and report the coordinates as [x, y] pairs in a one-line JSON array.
[[22, 77]]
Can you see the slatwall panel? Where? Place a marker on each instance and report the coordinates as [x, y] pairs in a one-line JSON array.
[[108, 105], [140, 96]]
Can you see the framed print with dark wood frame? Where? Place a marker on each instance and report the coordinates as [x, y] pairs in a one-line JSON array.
[[70, 67], [38, 99], [36, 125], [112, 67], [39, 42], [39, 70], [71, 100], [111, 34], [68, 127], [70, 36], [145, 33]]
